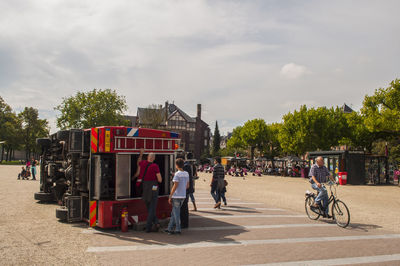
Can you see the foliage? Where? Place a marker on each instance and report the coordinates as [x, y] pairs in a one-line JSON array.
[[32, 128], [382, 111], [91, 109], [255, 135], [216, 141], [312, 129], [153, 116], [10, 130]]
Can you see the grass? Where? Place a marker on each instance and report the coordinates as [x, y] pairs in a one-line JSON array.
[[11, 163]]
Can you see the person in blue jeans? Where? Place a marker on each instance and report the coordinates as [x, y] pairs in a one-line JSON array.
[[319, 175], [177, 196]]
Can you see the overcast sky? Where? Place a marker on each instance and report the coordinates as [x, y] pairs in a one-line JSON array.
[[239, 59]]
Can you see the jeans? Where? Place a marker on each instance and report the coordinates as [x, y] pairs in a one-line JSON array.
[[33, 170], [322, 196], [151, 210], [175, 215], [215, 193], [223, 196]]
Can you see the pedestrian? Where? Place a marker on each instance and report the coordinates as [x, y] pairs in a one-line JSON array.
[[189, 168], [177, 197], [148, 173], [33, 168], [217, 182]]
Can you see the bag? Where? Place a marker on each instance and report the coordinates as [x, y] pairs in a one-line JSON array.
[[150, 189], [221, 184], [147, 186], [226, 183]]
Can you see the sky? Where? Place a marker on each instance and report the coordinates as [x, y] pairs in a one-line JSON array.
[[240, 59]]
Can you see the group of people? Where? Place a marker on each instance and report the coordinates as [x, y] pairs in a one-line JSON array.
[[28, 170], [148, 177]]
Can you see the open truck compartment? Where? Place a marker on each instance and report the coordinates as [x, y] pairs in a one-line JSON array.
[[89, 172]]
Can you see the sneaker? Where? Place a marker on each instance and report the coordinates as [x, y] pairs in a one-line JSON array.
[[225, 203], [217, 205], [168, 232]]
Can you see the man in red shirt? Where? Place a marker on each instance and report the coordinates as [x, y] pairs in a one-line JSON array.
[[148, 172]]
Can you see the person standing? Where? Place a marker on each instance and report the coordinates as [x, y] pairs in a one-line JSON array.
[[33, 168], [217, 182], [148, 172], [189, 168], [177, 196]]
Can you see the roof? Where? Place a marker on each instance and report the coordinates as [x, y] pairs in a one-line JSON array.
[[346, 109], [172, 109]]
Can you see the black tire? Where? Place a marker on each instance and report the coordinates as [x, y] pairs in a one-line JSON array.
[[45, 197], [310, 213], [340, 213], [43, 142], [63, 135], [62, 213]]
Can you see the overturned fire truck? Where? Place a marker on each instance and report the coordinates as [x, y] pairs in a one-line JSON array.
[[89, 173]]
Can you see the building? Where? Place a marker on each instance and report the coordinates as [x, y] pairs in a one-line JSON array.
[[195, 133]]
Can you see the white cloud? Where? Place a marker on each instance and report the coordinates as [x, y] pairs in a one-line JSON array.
[[293, 71]]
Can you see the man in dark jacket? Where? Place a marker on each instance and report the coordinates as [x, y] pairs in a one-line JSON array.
[[217, 182], [185, 208]]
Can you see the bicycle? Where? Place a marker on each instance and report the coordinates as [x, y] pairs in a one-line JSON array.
[[339, 210]]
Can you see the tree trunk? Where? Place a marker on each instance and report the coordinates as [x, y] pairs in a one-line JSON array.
[[2, 153], [252, 152]]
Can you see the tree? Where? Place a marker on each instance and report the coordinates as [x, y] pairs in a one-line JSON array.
[[312, 129], [382, 111], [91, 109], [273, 146], [216, 140], [32, 128], [359, 136], [153, 116], [255, 135], [10, 130]]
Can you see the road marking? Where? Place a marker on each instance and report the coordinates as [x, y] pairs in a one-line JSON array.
[[235, 227], [210, 198], [228, 208], [233, 203], [203, 244], [270, 226], [340, 261], [248, 216]]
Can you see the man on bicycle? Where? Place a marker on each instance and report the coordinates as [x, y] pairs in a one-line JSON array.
[[319, 175]]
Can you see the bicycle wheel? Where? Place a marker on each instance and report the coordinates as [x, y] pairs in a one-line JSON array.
[[340, 213], [310, 213]]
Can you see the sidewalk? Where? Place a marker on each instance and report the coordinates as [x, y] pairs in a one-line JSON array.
[[370, 206]]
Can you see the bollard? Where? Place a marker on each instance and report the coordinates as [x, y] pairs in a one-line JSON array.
[[124, 219]]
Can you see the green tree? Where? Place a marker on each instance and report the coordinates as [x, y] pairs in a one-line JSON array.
[[255, 135], [91, 109], [216, 140], [359, 137], [273, 146], [153, 116], [10, 130], [312, 129], [32, 128]]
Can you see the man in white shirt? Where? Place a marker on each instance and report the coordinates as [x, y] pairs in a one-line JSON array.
[[177, 196]]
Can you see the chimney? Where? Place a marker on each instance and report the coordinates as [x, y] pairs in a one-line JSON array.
[[166, 111], [199, 111]]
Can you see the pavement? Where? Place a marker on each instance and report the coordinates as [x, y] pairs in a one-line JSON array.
[[245, 232]]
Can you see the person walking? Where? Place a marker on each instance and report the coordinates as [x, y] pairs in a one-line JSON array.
[[177, 196], [217, 182], [148, 172]]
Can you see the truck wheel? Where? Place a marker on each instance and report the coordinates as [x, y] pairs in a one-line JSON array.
[[43, 142], [45, 197], [61, 213], [63, 135]]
